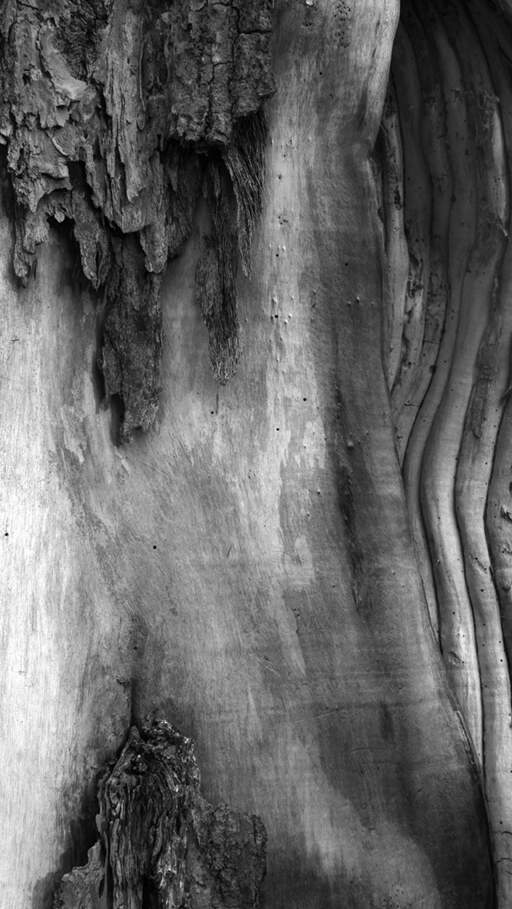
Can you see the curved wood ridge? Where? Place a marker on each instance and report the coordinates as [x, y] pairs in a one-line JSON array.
[[445, 151]]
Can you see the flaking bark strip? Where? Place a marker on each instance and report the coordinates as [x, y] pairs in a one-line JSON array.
[[110, 112], [161, 844]]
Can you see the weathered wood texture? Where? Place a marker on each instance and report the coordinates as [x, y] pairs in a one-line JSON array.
[[445, 165], [245, 567]]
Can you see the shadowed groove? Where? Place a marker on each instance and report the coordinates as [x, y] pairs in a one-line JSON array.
[[448, 401], [390, 158], [417, 205], [441, 180]]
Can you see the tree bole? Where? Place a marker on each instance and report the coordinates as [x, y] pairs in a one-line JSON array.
[[275, 536]]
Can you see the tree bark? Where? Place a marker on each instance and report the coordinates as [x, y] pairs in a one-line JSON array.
[[255, 426]]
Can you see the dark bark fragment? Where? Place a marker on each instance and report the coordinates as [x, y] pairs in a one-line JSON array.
[[109, 110], [161, 844]]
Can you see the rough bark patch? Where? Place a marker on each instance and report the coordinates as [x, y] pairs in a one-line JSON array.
[[161, 844], [110, 111]]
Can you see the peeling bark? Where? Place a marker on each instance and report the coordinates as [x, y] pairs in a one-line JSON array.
[[161, 844], [110, 111]]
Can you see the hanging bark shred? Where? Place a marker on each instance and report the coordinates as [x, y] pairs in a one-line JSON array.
[[161, 844], [111, 111]]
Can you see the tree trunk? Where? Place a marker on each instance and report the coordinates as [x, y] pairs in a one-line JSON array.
[[255, 434]]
